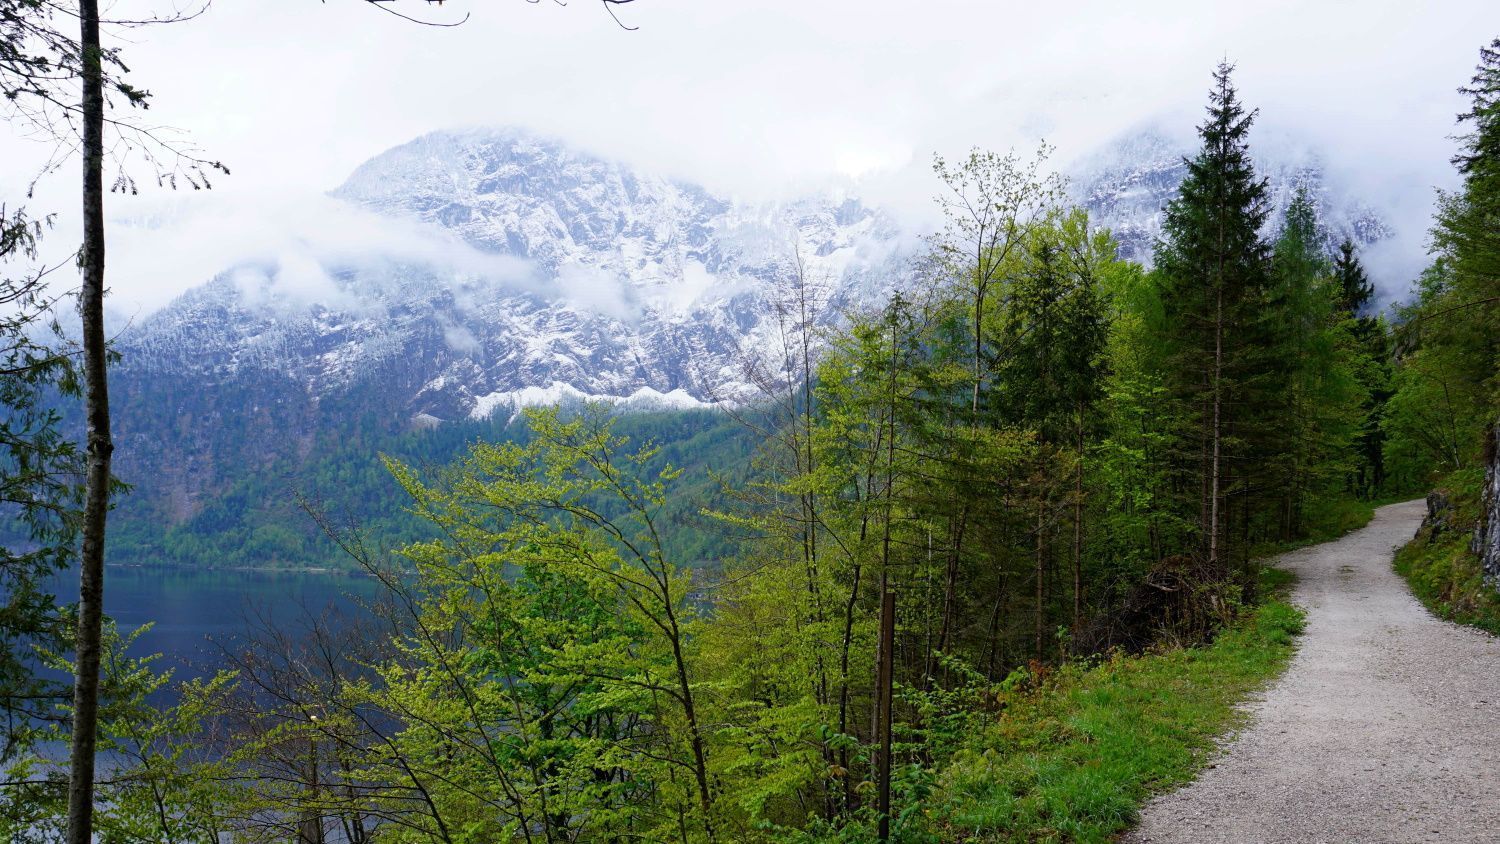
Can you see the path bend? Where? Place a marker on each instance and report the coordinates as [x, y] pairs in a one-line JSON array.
[[1385, 728]]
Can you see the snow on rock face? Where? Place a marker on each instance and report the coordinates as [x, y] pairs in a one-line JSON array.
[[557, 392], [580, 277], [613, 284]]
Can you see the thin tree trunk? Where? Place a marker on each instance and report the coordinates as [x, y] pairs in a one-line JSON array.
[[1213, 491], [950, 583], [885, 656], [845, 647], [979, 291], [100, 448], [1218, 380], [695, 732], [310, 827]]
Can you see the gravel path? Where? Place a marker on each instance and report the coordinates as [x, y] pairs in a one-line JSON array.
[[1386, 727]]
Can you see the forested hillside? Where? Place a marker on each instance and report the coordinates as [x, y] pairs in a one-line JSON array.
[[265, 518]]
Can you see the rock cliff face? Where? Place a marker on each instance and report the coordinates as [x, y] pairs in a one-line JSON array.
[[587, 277], [1486, 544]]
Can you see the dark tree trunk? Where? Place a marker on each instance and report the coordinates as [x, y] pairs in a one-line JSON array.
[[100, 447], [1041, 583]]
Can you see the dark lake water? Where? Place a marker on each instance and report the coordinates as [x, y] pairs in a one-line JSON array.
[[198, 612]]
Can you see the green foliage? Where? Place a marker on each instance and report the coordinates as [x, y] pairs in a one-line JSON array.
[[1447, 387], [1316, 396], [1215, 271], [540, 679], [1272, 379], [663, 627], [1440, 404], [257, 521]]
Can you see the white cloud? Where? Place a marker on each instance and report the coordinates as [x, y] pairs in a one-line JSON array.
[[461, 340], [761, 100], [597, 289], [173, 243]]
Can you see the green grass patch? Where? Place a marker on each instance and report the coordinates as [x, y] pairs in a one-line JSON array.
[[1441, 571], [1327, 522], [1074, 759]]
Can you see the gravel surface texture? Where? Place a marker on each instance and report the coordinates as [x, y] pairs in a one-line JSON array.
[[1386, 727]]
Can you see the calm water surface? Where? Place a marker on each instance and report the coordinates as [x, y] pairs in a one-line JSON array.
[[198, 612]]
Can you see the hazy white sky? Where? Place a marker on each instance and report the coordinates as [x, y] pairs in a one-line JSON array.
[[757, 99]]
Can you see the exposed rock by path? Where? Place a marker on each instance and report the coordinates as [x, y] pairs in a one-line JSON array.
[[1386, 727]]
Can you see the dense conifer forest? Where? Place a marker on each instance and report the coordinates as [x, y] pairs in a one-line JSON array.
[[926, 588]]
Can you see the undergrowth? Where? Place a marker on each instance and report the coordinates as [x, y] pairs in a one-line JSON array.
[[1074, 759]]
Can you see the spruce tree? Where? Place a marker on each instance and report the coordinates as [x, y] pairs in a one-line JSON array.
[[1213, 266], [1296, 314], [1355, 289], [1373, 346]]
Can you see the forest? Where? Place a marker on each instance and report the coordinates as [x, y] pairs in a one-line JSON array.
[[987, 562]]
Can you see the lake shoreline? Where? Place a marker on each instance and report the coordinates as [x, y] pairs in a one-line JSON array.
[[319, 570]]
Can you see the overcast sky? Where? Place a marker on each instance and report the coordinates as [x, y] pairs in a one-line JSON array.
[[756, 99]]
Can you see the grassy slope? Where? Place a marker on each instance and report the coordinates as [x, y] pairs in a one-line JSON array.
[[1075, 759], [1441, 571]]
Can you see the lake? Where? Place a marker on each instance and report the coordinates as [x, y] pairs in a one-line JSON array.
[[196, 612]]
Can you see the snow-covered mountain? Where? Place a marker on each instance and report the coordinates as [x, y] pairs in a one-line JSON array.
[[604, 282], [615, 283]]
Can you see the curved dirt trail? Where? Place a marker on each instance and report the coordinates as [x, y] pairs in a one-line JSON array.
[[1386, 727]]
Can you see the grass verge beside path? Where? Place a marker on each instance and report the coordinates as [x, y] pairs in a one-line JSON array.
[[1074, 759]]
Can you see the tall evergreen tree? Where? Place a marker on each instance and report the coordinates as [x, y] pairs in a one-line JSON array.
[[1468, 234], [1213, 265]]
